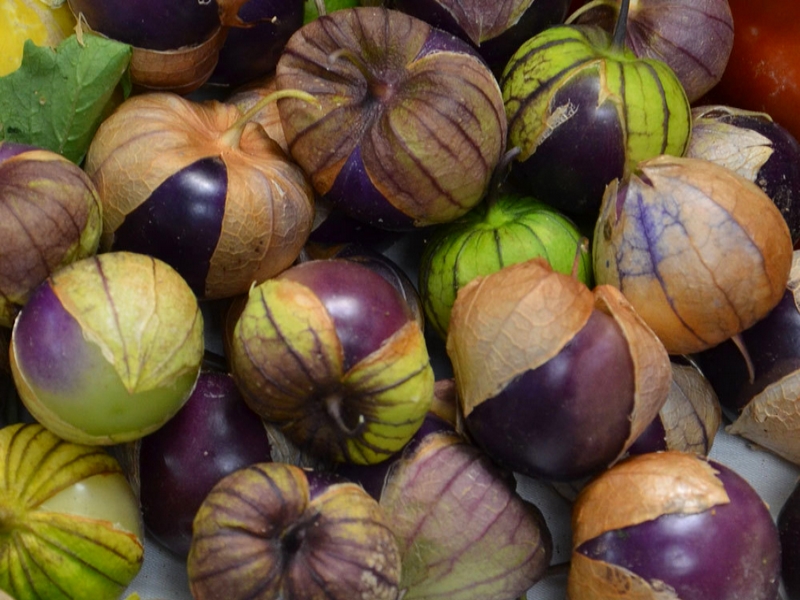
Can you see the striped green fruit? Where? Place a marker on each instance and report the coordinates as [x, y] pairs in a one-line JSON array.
[[584, 110], [70, 525], [511, 229]]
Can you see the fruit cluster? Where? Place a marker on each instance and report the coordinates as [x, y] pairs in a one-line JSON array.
[[210, 341]]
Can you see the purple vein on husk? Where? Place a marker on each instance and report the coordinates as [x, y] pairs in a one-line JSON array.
[[318, 346], [647, 227], [340, 543], [413, 534], [117, 325], [653, 33]]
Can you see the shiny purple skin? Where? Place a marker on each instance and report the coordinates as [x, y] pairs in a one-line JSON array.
[[389, 270], [789, 533], [354, 194], [152, 24], [555, 422], [9, 149], [774, 348], [652, 439], [44, 333], [572, 166], [250, 52], [339, 228], [181, 221], [498, 50], [214, 434], [365, 308], [729, 552]]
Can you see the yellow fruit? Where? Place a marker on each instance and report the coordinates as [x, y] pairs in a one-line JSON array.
[[46, 22]]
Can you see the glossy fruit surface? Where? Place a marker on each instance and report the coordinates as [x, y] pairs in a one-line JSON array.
[[214, 434], [673, 521]]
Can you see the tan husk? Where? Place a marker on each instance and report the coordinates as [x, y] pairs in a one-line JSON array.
[[740, 149], [591, 579], [510, 322], [700, 252], [269, 207], [643, 488], [692, 413], [772, 418], [180, 71], [651, 365]]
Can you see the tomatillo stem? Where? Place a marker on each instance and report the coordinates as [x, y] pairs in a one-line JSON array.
[[232, 135]]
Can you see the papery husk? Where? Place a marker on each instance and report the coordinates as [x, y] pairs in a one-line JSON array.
[[181, 71], [50, 553], [723, 265], [148, 324], [428, 124], [463, 531], [692, 414], [50, 216], [237, 550], [739, 149], [269, 206], [635, 491], [591, 579], [771, 418], [288, 361], [507, 323], [651, 365], [644, 488], [482, 20]]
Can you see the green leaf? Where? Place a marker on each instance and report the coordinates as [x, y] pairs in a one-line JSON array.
[[57, 98]]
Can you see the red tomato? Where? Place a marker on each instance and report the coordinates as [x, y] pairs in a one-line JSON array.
[[763, 71]]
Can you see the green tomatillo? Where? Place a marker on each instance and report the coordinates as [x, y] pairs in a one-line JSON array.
[[583, 110], [507, 229], [70, 525]]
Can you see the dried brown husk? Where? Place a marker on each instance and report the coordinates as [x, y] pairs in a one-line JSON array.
[[739, 149], [270, 204], [692, 414], [430, 126], [180, 71], [772, 418], [644, 488], [510, 322], [634, 491], [591, 579], [651, 366], [723, 255]]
